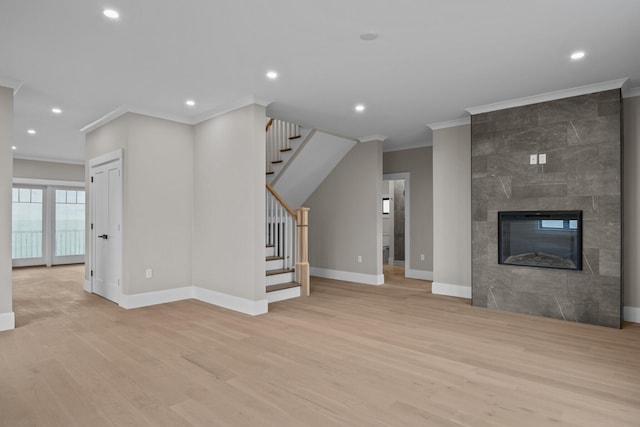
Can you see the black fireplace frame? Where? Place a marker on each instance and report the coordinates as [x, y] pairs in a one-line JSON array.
[[543, 215]]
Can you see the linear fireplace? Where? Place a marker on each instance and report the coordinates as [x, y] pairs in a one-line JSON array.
[[551, 239]]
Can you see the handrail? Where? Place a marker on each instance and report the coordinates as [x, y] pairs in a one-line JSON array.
[[281, 200]]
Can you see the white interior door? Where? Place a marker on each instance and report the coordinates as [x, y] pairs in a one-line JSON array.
[[106, 236]]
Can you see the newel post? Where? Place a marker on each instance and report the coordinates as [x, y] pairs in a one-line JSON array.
[[302, 260]]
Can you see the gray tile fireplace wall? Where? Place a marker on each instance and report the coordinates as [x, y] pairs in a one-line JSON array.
[[581, 137]]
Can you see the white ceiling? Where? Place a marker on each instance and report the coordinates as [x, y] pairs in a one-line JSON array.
[[432, 60]]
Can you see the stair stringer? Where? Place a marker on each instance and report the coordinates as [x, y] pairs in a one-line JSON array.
[[313, 161]]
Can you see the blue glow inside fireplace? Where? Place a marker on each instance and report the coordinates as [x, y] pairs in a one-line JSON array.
[[549, 239]]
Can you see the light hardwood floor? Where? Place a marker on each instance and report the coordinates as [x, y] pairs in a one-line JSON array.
[[349, 355]]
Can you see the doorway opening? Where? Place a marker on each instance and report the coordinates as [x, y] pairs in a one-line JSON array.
[[395, 225]]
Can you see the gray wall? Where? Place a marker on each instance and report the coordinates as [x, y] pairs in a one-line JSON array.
[[36, 169], [418, 163], [582, 139], [345, 220], [229, 179], [452, 209], [631, 108], [6, 182], [158, 198]]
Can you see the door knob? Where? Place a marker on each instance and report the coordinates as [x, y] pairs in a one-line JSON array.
[[104, 236]]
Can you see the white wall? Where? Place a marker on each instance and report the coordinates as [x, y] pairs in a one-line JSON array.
[[157, 200], [418, 163], [229, 207], [452, 211], [36, 169], [6, 182], [631, 199], [345, 218]]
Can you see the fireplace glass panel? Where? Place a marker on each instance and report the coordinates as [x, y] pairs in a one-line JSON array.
[[551, 239]]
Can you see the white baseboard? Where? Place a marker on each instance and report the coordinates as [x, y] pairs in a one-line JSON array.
[[231, 302], [348, 276], [451, 290], [632, 314], [7, 321], [87, 286], [156, 297], [283, 294], [252, 308], [418, 274]]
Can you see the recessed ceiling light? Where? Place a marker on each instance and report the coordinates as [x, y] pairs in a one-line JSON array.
[[111, 14], [359, 108], [56, 110], [31, 131], [577, 55], [272, 75], [14, 147], [190, 102], [368, 36]]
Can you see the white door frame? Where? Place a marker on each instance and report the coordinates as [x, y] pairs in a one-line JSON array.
[[116, 158], [406, 176]]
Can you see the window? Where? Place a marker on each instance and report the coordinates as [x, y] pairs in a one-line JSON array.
[[558, 224], [69, 224], [48, 225], [386, 206], [27, 223]]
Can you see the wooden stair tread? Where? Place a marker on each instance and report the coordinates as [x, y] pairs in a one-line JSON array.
[[274, 258], [268, 246], [281, 286], [276, 161], [295, 137], [283, 150], [269, 173], [279, 271]]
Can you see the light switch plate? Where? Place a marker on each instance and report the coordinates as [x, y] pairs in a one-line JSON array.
[[533, 159], [542, 159]]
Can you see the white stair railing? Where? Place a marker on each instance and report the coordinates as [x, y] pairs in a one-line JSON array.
[[278, 134], [281, 228]]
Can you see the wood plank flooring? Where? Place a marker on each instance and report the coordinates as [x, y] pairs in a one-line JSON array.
[[349, 355]]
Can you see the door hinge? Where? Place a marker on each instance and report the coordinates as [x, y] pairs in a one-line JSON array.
[[92, 226], [91, 273], [91, 179]]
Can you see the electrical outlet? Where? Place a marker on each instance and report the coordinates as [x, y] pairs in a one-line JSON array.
[[148, 273], [542, 159], [359, 258], [533, 159], [421, 257]]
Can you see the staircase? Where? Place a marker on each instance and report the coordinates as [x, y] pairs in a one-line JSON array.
[[280, 281], [287, 266], [298, 160]]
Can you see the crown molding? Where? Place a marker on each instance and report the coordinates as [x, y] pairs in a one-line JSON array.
[[407, 147], [11, 84], [218, 111], [450, 123], [110, 116], [232, 106], [47, 159], [630, 93], [549, 96], [371, 138]]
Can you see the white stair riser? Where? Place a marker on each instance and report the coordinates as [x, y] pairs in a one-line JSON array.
[[275, 264], [276, 279], [283, 294], [269, 251]]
